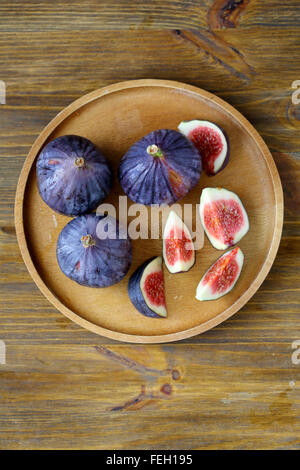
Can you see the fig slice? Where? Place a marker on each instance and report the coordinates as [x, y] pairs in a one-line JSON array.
[[178, 247], [146, 288], [222, 276], [223, 217], [211, 142]]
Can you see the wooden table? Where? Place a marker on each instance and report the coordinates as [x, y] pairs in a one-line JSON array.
[[234, 387]]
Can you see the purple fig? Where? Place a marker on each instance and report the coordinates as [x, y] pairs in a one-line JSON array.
[[221, 276], [178, 247], [211, 141], [73, 176], [160, 168], [146, 289], [89, 260], [223, 217]]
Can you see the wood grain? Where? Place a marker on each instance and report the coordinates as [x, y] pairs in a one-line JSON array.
[[238, 387]]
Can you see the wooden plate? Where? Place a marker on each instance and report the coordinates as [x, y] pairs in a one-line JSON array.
[[114, 118]]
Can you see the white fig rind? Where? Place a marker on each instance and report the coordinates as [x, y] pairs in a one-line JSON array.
[[185, 127], [154, 266], [204, 291], [210, 195], [174, 222]]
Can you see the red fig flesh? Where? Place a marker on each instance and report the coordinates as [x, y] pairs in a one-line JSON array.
[[223, 217], [221, 276], [146, 289], [211, 142], [178, 247]]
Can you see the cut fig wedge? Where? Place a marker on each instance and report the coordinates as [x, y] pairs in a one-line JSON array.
[[223, 217], [211, 141], [222, 276], [178, 247], [146, 289]]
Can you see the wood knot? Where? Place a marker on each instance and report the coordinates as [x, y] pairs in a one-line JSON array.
[[166, 389]]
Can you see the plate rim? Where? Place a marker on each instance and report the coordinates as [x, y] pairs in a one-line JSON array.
[[168, 337]]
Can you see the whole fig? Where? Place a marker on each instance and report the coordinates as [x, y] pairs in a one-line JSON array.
[[160, 168], [73, 176], [90, 259]]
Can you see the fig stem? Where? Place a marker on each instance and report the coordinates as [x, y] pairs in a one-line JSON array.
[[154, 151], [87, 241], [79, 161]]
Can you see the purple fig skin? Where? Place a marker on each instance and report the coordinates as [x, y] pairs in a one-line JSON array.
[[73, 176], [135, 293], [150, 179], [100, 264]]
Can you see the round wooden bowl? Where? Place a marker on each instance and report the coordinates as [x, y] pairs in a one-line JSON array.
[[114, 118]]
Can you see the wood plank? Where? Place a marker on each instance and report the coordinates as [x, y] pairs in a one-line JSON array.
[[118, 15], [248, 391], [236, 387]]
